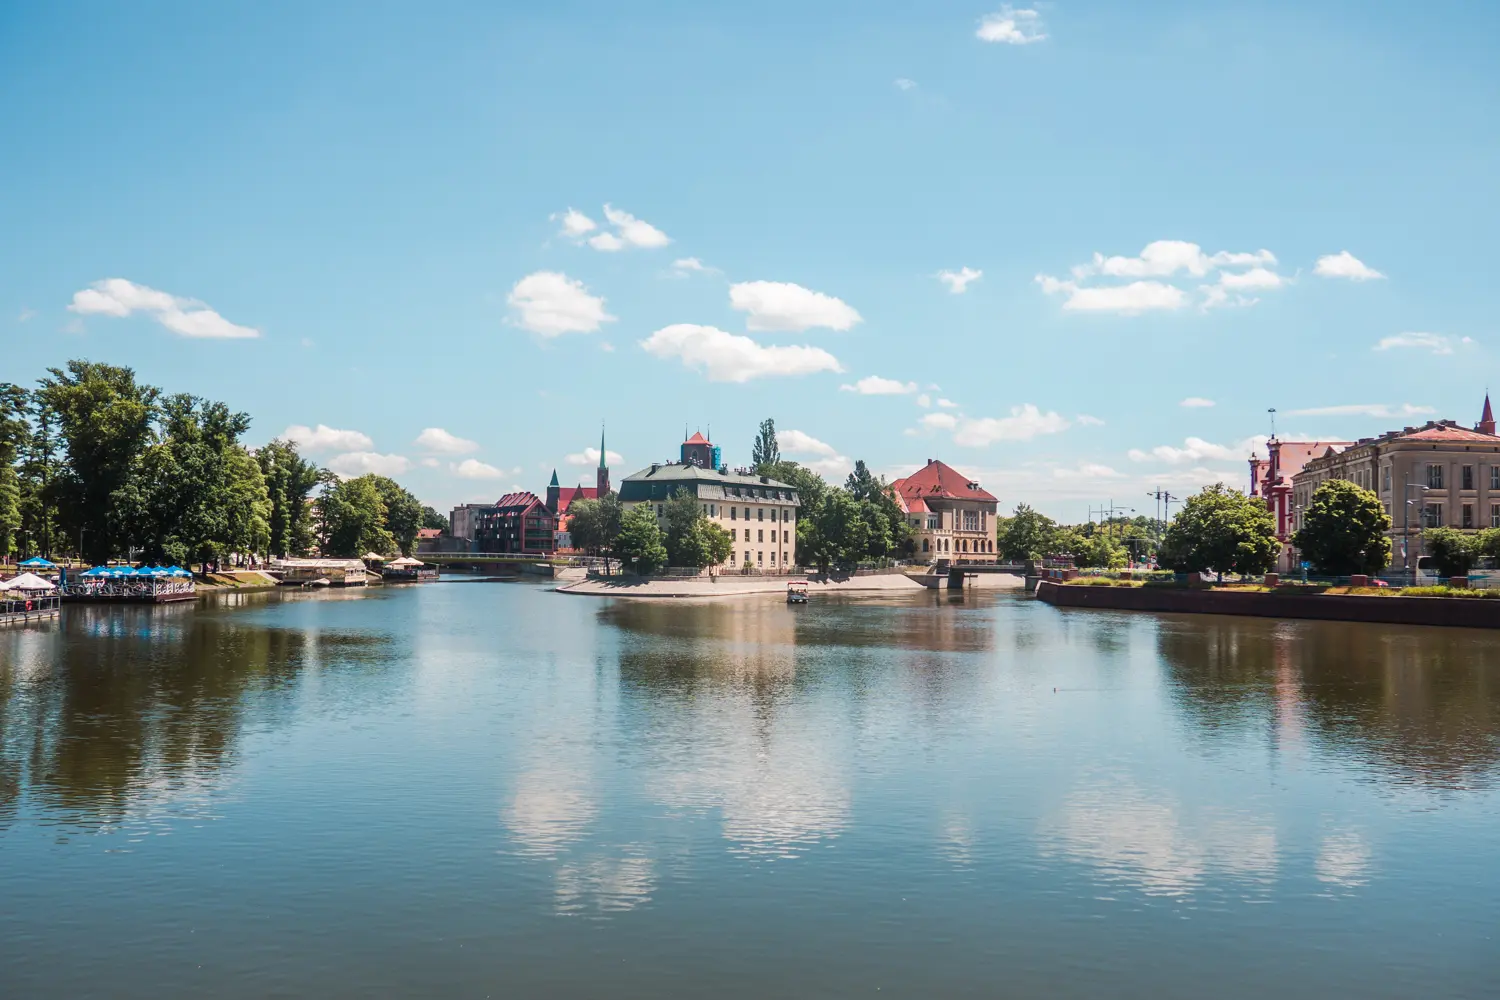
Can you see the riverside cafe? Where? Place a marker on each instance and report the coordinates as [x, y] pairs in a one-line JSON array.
[[27, 597], [122, 583]]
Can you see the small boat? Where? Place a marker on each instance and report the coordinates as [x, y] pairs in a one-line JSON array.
[[796, 592], [321, 581]]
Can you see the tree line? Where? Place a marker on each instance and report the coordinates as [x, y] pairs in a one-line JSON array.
[[97, 463]]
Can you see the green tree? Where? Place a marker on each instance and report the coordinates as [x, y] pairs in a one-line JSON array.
[[1099, 550], [838, 535], [1028, 535], [247, 504], [432, 519], [1344, 530], [290, 481], [403, 512], [809, 485], [1453, 552], [352, 519], [38, 468], [104, 418], [15, 433], [640, 545], [765, 452], [680, 515], [1223, 530], [712, 543], [595, 524]]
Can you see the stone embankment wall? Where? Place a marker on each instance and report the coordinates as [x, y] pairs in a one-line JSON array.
[[1451, 611]]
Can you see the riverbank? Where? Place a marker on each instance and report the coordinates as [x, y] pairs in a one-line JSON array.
[[1461, 612], [702, 588]]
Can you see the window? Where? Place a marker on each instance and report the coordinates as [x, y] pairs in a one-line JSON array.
[[1495, 515], [934, 522], [658, 510], [773, 559], [1495, 477], [1385, 479], [734, 513], [1432, 515], [760, 557], [1434, 477], [760, 513], [762, 535], [734, 534], [747, 555], [1468, 515], [786, 514], [1466, 477], [971, 520]]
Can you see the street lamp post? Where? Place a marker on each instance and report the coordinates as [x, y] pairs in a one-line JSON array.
[[1406, 487]]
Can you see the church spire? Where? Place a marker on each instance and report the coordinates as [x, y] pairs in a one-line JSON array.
[[602, 463], [1487, 419]]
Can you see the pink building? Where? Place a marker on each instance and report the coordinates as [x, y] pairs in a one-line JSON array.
[[1271, 480]]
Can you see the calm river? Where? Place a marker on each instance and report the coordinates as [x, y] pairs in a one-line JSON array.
[[468, 790]]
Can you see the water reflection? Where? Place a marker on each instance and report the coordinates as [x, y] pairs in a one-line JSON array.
[[1410, 706], [129, 715]]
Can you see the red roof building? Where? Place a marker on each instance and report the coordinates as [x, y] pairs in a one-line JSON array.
[[518, 524], [952, 517]]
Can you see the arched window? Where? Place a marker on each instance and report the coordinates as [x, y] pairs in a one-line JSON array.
[[924, 545]]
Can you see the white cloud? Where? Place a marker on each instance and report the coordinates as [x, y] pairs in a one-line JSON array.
[[187, 317], [1196, 403], [947, 404], [1164, 259], [429, 463], [827, 461], [551, 303], [797, 443], [684, 266], [1024, 423], [1363, 410], [1084, 420], [924, 400], [958, 281], [590, 457], [728, 357], [325, 438], [629, 232], [359, 463], [439, 440], [608, 242], [874, 385], [1128, 300], [472, 468], [902, 83], [1195, 449], [938, 421], [1345, 265], [781, 305], [1256, 277], [1086, 471], [1010, 26], [575, 224], [1437, 343]]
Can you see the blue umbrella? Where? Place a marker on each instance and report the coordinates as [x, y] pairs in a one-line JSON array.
[[37, 562], [96, 571]]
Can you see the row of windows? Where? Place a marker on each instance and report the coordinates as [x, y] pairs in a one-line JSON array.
[[786, 536], [759, 557], [760, 514], [946, 545], [1432, 516], [1436, 476], [973, 520], [759, 491]]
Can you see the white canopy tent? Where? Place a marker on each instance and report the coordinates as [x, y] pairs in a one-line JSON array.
[[28, 582]]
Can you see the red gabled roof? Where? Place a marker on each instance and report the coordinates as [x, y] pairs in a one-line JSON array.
[[1447, 432], [1291, 456], [697, 438], [522, 499], [429, 532], [935, 479], [567, 494]]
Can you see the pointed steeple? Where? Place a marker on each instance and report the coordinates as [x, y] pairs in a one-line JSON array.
[[1487, 419], [602, 463], [601, 475], [554, 478]]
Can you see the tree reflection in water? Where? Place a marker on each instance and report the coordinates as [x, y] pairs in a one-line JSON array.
[[1406, 705], [133, 714]]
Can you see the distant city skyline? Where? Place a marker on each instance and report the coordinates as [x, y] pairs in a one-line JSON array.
[[1072, 250]]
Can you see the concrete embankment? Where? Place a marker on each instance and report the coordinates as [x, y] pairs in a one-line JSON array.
[[1463, 612], [702, 588]]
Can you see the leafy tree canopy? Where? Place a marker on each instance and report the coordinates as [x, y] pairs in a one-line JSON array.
[[1344, 530], [1453, 552], [640, 544], [1223, 530], [765, 452]]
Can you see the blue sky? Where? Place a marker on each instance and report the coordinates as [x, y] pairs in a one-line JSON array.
[[355, 216]]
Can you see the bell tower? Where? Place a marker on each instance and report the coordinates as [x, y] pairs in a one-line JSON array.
[[1487, 419], [601, 477]]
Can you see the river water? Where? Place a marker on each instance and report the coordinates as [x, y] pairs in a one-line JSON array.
[[468, 790]]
